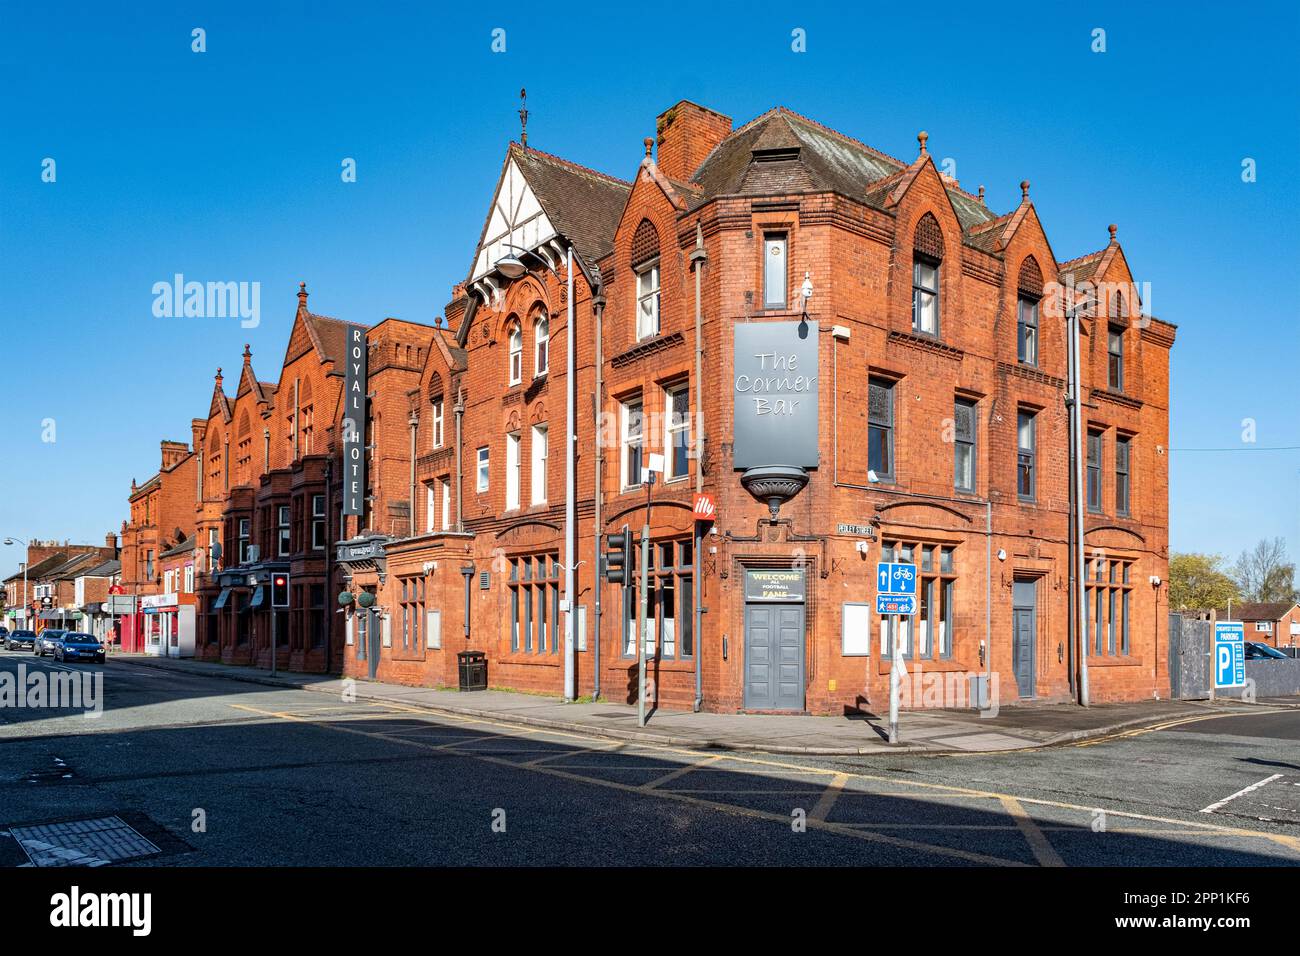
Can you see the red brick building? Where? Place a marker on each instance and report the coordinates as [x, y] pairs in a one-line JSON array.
[[162, 516], [915, 413], [939, 360]]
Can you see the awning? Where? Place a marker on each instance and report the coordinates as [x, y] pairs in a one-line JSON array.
[[221, 600], [60, 615], [259, 597]]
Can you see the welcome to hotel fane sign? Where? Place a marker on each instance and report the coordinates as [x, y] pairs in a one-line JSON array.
[[776, 394]]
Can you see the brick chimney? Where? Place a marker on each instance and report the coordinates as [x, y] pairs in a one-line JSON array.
[[110, 544], [687, 133], [172, 452]]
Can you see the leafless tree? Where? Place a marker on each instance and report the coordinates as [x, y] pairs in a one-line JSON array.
[[1263, 573]]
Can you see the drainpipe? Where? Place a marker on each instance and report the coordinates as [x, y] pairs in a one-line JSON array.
[[570, 485], [414, 422], [460, 412], [1076, 451], [266, 451], [698, 257], [598, 305], [297, 385], [330, 594]]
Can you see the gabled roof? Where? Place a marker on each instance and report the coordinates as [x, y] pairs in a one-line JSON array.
[[182, 548], [105, 570], [1256, 611], [42, 567], [582, 204], [74, 566], [220, 402]]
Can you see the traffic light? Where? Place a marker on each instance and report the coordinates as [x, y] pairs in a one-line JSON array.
[[279, 590], [618, 559]]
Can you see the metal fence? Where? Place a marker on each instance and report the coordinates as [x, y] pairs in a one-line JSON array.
[[1189, 667]]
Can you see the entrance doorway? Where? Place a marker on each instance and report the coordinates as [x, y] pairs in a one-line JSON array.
[[1024, 635], [774, 640]]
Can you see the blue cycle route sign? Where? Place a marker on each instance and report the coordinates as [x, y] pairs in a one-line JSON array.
[[892, 578], [1229, 654]]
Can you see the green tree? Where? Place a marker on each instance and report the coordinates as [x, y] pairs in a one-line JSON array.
[[1198, 582]]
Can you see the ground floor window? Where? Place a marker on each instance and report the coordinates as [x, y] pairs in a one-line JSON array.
[[928, 634], [534, 603], [668, 627], [1107, 607], [412, 613]]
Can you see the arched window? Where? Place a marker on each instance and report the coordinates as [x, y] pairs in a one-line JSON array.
[[541, 345], [645, 263], [516, 353], [1029, 291], [927, 254]]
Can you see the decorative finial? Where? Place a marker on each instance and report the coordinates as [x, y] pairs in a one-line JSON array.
[[248, 354], [523, 117], [981, 194], [218, 373], [1024, 190], [649, 145], [302, 296], [1113, 229], [921, 137]]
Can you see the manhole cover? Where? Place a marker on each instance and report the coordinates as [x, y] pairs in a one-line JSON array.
[[92, 842]]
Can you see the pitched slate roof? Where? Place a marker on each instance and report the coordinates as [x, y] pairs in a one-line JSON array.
[[784, 151], [330, 336], [182, 548], [41, 568], [105, 570], [583, 205]]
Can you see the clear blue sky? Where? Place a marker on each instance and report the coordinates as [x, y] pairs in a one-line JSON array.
[[225, 166]]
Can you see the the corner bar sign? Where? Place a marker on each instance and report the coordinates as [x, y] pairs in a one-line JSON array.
[[775, 392], [781, 584], [354, 423]]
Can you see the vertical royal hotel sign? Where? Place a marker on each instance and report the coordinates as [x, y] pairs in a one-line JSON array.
[[354, 423]]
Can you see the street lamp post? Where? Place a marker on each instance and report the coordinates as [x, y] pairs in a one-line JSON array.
[[25, 607]]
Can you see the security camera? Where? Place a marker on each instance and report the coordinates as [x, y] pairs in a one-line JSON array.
[[862, 547], [1002, 554], [807, 289], [1155, 580]]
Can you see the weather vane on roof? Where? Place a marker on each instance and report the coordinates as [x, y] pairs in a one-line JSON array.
[[523, 117]]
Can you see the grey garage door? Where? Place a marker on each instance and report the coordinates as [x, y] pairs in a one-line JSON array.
[[774, 657]]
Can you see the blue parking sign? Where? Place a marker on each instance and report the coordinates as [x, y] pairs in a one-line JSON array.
[[1229, 654]]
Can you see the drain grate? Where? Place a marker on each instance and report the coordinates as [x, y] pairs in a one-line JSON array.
[[93, 842]]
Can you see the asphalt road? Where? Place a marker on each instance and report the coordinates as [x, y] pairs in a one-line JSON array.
[[218, 772]]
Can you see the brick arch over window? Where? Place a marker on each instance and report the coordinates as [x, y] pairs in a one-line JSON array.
[[928, 237], [435, 389], [1030, 281], [645, 243], [244, 426]]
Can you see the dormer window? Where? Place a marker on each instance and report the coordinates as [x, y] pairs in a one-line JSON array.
[[516, 354], [541, 346], [927, 254], [437, 422], [1115, 358]]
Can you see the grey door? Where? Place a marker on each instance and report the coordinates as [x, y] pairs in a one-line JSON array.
[[774, 657], [1024, 631], [373, 638]]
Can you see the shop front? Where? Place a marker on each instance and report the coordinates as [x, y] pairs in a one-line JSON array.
[[168, 626]]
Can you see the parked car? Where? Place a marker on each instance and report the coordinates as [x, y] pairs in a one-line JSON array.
[[4, 633], [44, 643], [20, 639], [79, 646], [1262, 652]]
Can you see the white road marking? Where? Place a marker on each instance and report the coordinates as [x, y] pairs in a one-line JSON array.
[[1241, 793]]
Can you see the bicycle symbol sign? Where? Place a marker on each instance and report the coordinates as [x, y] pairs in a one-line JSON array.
[[894, 578]]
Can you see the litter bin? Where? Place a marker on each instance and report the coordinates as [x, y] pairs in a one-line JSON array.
[[473, 670]]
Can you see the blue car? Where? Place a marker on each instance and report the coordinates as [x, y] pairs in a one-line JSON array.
[[17, 640], [77, 646]]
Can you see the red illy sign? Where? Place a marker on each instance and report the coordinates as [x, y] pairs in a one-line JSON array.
[[705, 509]]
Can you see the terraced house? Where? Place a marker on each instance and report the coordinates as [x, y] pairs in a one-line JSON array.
[[788, 354]]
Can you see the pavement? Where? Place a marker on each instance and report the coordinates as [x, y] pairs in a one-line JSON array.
[[171, 767], [1020, 727]]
